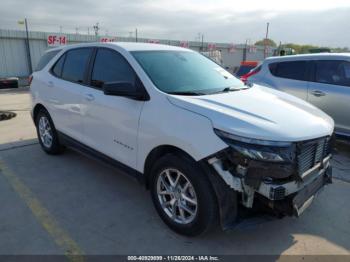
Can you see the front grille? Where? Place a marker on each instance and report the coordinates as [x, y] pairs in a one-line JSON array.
[[310, 153], [277, 193]]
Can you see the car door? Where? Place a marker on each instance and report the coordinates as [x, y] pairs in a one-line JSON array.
[[290, 77], [65, 85], [329, 90], [110, 123]]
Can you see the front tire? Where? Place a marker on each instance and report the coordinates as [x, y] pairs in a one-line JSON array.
[[47, 133], [183, 195]]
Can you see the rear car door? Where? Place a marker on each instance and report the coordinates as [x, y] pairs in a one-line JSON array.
[[290, 77], [66, 85], [110, 123], [329, 90]]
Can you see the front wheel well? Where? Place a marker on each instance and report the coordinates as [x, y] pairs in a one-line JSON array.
[[37, 109], [157, 153]]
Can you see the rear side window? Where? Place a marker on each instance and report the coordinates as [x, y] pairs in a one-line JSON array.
[[75, 64], [334, 72], [57, 68], [111, 67], [45, 59], [295, 70]]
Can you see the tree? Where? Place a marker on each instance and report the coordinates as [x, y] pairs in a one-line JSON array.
[[305, 49], [300, 49], [341, 50], [269, 42]]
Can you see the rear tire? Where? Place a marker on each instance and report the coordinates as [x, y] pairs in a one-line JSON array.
[[177, 182], [47, 133]]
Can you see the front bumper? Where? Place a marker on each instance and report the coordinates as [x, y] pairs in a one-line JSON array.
[[293, 198], [287, 196], [280, 191]]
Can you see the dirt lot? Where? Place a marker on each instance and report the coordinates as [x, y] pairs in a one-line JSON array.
[[72, 204]]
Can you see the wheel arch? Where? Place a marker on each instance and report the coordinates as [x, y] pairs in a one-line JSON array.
[[156, 153], [225, 197], [37, 109]]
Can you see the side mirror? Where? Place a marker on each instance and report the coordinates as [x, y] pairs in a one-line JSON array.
[[125, 89]]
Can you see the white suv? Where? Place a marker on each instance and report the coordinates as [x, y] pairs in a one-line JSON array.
[[205, 145]]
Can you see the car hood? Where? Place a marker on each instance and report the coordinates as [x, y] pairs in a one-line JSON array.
[[260, 113]]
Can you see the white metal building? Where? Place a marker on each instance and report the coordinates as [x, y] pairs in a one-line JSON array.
[[14, 56]]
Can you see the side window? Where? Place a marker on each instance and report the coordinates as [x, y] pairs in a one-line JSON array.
[[75, 64], [111, 67], [57, 68], [292, 70], [45, 59], [334, 72]]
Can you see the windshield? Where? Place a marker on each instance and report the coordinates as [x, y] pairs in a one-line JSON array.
[[183, 72]]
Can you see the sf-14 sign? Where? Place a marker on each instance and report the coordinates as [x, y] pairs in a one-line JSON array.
[[56, 40]]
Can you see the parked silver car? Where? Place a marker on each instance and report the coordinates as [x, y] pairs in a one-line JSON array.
[[321, 79]]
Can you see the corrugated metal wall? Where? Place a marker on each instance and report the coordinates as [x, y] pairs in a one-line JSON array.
[[13, 59], [13, 56]]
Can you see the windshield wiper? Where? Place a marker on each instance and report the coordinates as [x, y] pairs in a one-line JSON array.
[[184, 93], [229, 89]]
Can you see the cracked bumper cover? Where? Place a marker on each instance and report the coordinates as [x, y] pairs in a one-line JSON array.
[[294, 197], [289, 195]]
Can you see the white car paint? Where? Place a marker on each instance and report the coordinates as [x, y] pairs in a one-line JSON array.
[[260, 113], [182, 121]]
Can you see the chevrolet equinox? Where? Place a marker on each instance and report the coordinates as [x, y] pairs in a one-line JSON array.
[[204, 144]]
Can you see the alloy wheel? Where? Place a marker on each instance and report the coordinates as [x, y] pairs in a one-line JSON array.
[[45, 131], [177, 196]]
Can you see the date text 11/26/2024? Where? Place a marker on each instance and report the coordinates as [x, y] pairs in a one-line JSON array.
[[173, 258]]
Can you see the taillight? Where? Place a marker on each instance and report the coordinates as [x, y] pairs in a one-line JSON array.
[[254, 71], [30, 79]]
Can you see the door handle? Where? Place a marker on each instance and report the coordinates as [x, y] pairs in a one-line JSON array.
[[50, 84], [318, 93], [89, 97]]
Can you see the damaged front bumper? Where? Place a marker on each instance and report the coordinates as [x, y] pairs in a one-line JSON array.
[[294, 197], [290, 195]]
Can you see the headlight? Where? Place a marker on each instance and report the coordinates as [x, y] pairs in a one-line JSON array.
[[259, 155], [271, 151]]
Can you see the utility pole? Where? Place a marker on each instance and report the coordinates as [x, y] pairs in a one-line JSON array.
[[198, 37], [136, 35], [96, 28], [280, 50], [266, 37], [202, 47], [245, 50], [29, 57]]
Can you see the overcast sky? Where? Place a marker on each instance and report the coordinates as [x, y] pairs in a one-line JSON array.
[[320, 22]]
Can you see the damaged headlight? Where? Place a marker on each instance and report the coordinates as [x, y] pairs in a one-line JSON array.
[[263, 150]]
